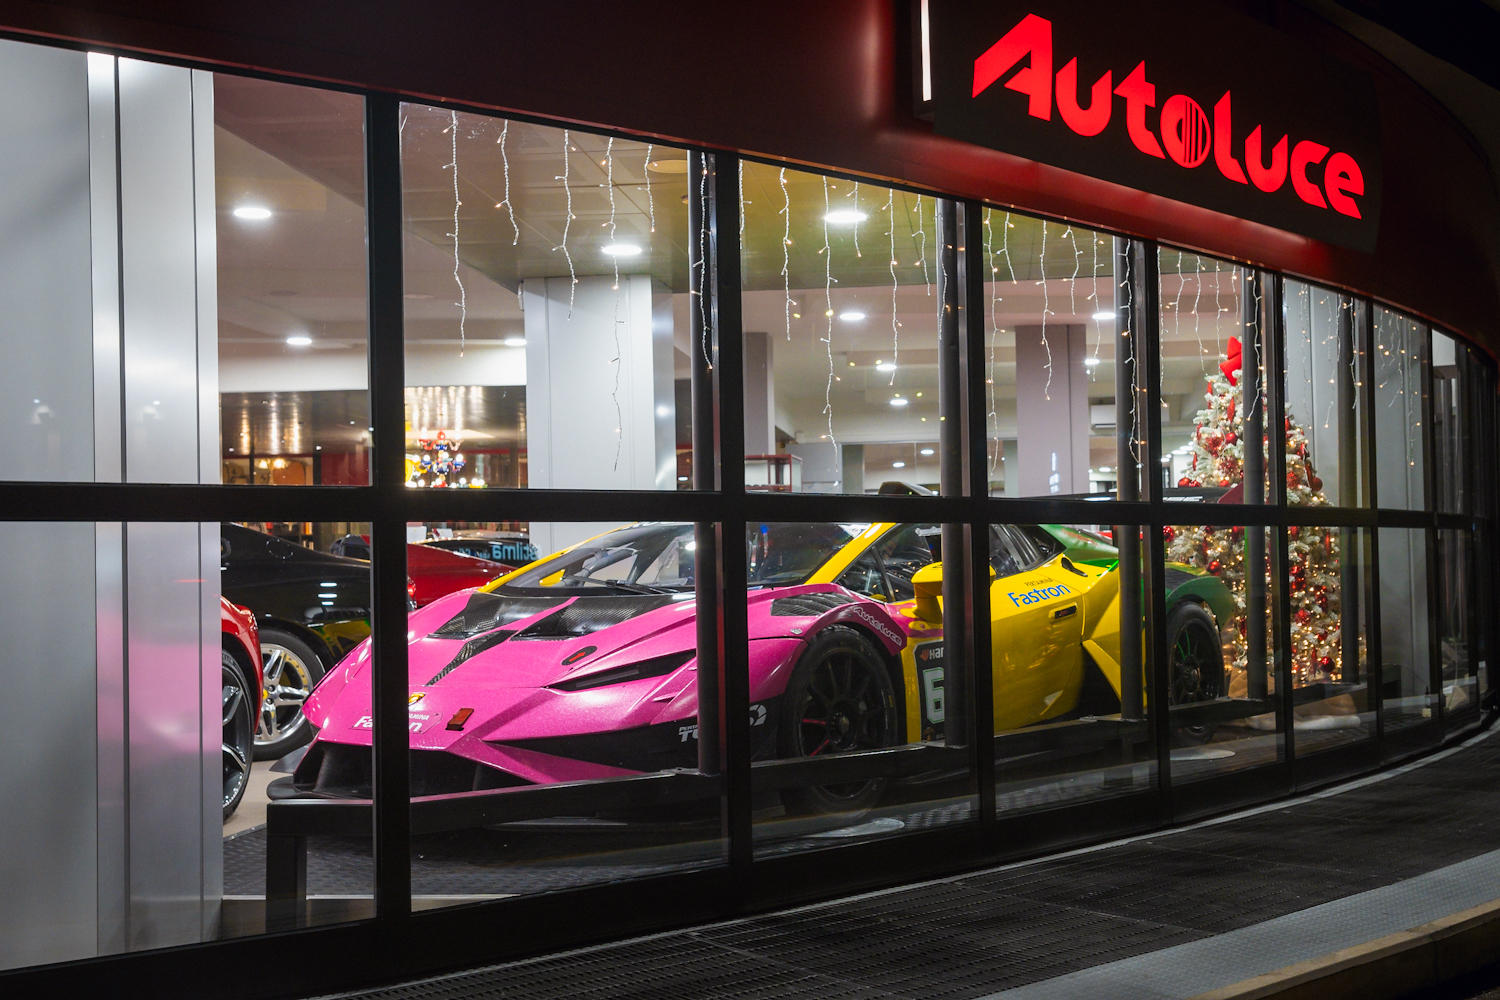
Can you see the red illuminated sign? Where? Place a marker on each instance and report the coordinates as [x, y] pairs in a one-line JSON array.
[[1100, 113]]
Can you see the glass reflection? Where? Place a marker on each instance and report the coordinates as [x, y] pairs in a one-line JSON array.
[[849, 664], [1050, 358], [1331, 697], [292, 331], [841, 285], [1069, 687], [547, 307], [1406, 656], [1222, 686], [1400, 398], [1325, 378]]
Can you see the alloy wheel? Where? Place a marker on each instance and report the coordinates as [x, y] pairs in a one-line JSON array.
[[288, 683]]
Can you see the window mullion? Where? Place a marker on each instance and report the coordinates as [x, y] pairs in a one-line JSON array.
[[388, 675]]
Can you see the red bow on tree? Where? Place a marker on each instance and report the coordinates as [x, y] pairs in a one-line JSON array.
[[1233, 362]]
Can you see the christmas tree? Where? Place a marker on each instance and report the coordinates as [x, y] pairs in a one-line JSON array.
[[1218, 452]]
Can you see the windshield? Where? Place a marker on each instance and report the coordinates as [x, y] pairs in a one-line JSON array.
[[660, 558], [782, 554], [643, 558]]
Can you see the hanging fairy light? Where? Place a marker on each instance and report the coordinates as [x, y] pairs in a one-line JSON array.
[[650, 199], [463, 301], [568, 222], [609, 182], [505, 166], [890, 210], [1046, 308], [786, 250], [827, 253]]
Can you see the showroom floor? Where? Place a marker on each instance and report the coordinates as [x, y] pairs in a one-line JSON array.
[[1165, 915]]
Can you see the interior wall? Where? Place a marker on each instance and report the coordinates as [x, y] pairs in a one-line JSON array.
[[46, 410], [123, 850]]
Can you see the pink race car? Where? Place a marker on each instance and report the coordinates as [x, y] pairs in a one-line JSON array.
[[581, 666]]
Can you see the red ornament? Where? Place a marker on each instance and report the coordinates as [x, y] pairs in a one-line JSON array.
[[1294, 531], [1185, 482], [1242, 628], [1229, 416], [1325, 663], [1237, 531], [1322, 636], [1315, 483], [1291, 480], [1169, 532], [1303, 614], [1233, 359], [1214, 566], [1231, 437], [1323, 602]]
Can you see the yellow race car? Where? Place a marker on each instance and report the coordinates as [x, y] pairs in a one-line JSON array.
[[1054, 618]]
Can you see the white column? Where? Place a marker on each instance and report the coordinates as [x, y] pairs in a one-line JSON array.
[[760, 394], [600, 402], [1052, 413]]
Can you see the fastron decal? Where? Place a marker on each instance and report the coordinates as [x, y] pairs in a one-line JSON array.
[[1038, 594], [1201, 105]]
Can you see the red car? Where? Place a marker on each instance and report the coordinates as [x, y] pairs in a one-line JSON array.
[[242, 690], [433, 572]]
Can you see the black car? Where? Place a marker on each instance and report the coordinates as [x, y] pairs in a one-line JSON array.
[[312, 608]]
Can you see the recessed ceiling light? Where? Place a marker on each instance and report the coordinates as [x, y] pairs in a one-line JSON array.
[[514, 341], [1090, 362], [622, 249], [898, 401], [668, 166], [926, 451], [898, 465], [851, 316], [1104, 314], [845, 216], [299, 341], [1103, 468], [885, 366], [255, 213]]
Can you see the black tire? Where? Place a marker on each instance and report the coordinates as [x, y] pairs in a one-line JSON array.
[[291, 670], [839, 699], [238, 703], [1195, 662]]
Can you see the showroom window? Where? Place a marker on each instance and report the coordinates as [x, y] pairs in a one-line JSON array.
[[675, 532]]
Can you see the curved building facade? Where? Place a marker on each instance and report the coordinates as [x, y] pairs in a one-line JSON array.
[[673, 463]]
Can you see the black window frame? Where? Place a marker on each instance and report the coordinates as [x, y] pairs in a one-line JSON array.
[[399, 943]]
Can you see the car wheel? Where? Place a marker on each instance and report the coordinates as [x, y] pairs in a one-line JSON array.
[[1195, 664], [291, 669], [239, 732], [839, 699]]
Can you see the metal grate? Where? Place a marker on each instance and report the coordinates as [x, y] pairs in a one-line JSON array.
[[987, 931]]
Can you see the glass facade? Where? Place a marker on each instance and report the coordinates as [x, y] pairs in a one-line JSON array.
[[667, 521]]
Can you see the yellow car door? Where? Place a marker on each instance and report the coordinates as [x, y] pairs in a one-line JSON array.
[[1036, 627]]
